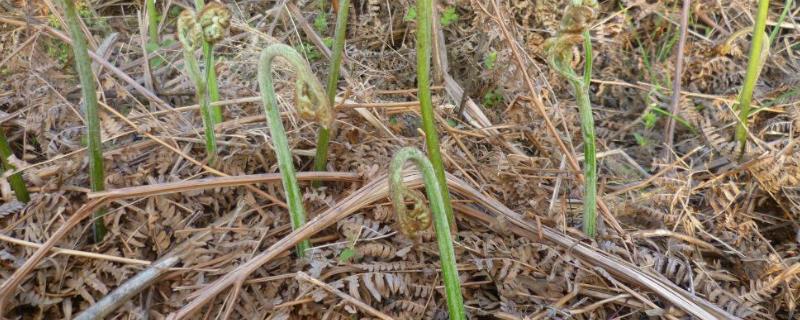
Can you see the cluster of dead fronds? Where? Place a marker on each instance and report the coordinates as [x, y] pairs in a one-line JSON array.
[[700, 233]]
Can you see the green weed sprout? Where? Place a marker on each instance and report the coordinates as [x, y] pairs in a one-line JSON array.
[[424, 18], [573, 31], [94, 145], [756, 59], [311, 104], [15, 180], [419, 218], [208, 55], [324, 134], [208, 27]]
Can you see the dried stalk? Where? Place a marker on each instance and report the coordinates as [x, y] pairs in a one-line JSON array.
[[310, 103], [94, 145], [124, 292], [324, 134], [419, 219]]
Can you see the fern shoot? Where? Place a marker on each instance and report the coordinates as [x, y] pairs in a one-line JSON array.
[[311, 104], [424, 25], [757, 57], [324, 134], [419, 218], [211, 73], [94, 145], [205, 28], [574, 31]]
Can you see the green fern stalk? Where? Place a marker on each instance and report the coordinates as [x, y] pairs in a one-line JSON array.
[[94, 145], [311, 104], [205, 28], [424, 18], [15, 180], [441, 223], [324, 134], [559, 56], [152, 22], [754, 65], [211, 73]]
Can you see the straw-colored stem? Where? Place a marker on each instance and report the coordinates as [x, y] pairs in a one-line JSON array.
[[424, 18], [754, 64], [94, 145], [15, 180], [310, 101], [398, 193], [324, 134]]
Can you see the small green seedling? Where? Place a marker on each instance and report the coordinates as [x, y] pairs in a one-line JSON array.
[[449, 16], [489, 60]]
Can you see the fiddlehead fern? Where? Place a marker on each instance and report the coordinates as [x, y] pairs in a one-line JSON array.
[[208, 51], [193, 32], [310, 103], [419, 219], [574, 30]]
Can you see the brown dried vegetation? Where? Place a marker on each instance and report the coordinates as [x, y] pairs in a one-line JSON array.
[[723, 229]]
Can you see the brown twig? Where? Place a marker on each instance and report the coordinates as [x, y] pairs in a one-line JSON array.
[[675, 106]]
